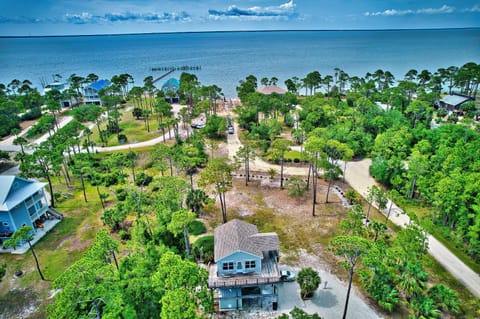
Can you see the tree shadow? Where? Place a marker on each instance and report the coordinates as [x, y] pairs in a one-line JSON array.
[[324, 298]]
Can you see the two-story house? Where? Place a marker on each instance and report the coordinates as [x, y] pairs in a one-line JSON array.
[[245, 270], [24, 202], [91, 92]]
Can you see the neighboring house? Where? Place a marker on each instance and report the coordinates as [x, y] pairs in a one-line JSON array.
[[171, 86], [61, 87], [454, 102], [90, 92], [23, 202], [269, 89], [245, 270]]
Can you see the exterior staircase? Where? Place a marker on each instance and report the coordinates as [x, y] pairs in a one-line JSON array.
[[55, 213]]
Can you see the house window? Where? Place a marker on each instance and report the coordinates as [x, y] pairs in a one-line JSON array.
[[32, 210], [250, 264], [228, 266]]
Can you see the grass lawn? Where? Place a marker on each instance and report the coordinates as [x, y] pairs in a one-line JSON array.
[[58, 250], [134, 129]]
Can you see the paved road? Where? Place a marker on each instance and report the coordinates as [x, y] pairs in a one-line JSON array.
[[357, 175]]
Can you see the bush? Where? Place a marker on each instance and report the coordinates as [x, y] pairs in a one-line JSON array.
[[296, 186], [32, 114], [203, 249], [124, 235], [143, 179], [3, 270], [196, 228], [86, 113], [308, 280], [44, 123], [121, 194], [442, 112], [122, 138]]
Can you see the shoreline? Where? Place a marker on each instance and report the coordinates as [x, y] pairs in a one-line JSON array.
[[232, 31]]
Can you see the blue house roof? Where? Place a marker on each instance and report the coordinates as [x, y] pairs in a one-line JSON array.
[[172, 82], [100, 84], [14, 190]]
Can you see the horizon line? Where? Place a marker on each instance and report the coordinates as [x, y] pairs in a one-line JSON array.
[[233, 31]]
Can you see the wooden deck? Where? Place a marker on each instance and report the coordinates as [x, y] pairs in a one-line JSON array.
[[269, 275]]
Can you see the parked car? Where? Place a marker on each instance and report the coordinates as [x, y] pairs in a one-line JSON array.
[[287, 275], [198, 125], [230, 130]]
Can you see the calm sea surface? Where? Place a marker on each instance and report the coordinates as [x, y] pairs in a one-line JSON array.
[[226, 58]]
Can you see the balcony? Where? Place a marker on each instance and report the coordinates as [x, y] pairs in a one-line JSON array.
[[268, 275]]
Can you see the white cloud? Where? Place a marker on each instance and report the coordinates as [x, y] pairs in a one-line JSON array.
[[475, 8], [393, 12], [282, 11], [442, 9]]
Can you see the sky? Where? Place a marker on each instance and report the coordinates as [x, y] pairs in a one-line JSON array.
[[79, 17]]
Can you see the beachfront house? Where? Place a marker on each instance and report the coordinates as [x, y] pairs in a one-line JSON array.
[[91, 92], [24, 202], [454, 102], [67, 100], [170, 88], [245, 272]]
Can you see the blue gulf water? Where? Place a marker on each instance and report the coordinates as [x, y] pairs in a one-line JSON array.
[[227, 57]]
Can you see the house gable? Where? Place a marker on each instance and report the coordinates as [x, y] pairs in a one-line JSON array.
[[16, 191], [239, 262]]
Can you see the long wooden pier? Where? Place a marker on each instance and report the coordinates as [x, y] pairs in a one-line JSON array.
[[164, 75]]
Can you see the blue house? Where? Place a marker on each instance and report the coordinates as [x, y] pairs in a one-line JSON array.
[[245, 270], [90, 92], [23, 202], [171, 85]]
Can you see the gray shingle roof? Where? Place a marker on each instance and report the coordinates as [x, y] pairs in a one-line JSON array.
[[237, 235], [454, 100]]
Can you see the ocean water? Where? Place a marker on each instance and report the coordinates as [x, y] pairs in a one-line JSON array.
[[226, 58]]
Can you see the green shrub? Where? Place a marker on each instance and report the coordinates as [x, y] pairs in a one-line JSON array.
[[196, 228], [121, 194], [122, 138], [86, 112], [124, 235], [203, 249], [308, 280], [143, 179]]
